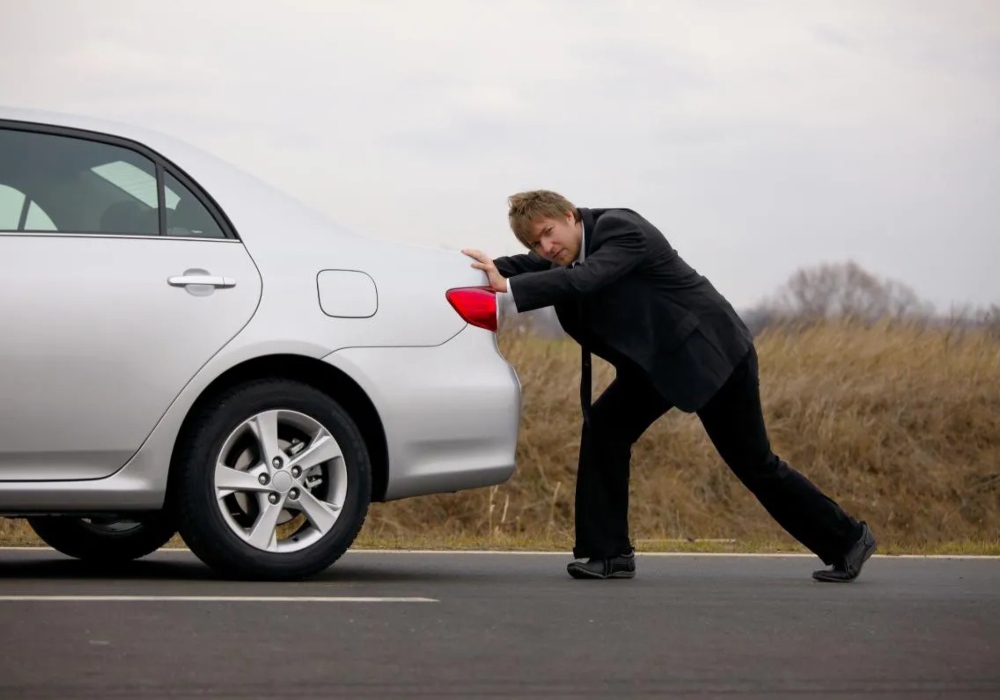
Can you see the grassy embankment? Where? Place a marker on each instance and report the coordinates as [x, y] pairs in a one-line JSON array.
[[899, 423]]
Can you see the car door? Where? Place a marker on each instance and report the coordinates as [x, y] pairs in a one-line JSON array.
[[118, 281]]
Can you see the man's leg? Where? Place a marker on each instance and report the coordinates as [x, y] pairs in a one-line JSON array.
[[734, 421], [617, 419]]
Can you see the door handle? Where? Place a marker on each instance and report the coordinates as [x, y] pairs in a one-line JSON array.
[[206, 280]]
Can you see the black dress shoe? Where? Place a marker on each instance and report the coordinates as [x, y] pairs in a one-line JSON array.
[[621, 566], [850, 566]]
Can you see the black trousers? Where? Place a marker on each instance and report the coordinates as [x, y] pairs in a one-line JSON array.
[[734, 421]]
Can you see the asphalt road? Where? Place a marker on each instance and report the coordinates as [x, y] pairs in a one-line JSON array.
[[500, 625]]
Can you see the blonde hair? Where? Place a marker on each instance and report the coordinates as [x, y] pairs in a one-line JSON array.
[[525, 207]]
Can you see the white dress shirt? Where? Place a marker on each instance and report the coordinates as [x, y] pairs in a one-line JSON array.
[[509, 294]]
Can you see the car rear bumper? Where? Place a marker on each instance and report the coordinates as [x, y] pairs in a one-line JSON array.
[[450, 412]]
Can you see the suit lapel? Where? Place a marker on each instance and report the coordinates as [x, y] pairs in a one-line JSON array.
[[586, 369], [587, 216]]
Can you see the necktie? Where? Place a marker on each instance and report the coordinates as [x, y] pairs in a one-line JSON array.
[[586, 393]]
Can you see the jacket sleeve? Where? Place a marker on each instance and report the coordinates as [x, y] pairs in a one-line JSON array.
[[619, 247], [513, 265]]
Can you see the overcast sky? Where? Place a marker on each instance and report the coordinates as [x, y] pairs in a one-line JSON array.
[[760, 137]]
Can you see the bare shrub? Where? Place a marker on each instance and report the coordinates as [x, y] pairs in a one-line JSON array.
[[846, 291]]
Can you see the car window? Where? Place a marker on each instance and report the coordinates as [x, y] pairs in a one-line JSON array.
[[135, 181], [58, 174], [12, 209], [78, 185], [186, 215]]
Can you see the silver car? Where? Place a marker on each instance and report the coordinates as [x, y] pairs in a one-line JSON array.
[[185, 349]]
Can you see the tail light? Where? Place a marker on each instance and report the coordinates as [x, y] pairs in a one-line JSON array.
[[477, 305]]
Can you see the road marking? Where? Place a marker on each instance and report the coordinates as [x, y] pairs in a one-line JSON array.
[[640, 553], [210, 599]]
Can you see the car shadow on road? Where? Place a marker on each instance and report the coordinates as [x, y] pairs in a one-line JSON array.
[[51, 567]]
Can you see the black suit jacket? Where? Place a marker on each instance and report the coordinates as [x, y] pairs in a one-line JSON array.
[[634, 302]]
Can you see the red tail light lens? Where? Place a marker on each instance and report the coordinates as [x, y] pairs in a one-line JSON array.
[[477, 305]]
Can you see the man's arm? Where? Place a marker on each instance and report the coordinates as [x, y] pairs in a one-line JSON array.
[[513, 265], [622, 248]]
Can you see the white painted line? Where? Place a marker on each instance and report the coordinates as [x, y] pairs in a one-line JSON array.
[[46, 548], [512, 552], [936, 556], [678, 540], [640, 553], [209, 599]]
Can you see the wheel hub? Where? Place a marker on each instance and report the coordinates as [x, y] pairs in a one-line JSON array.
[[282, 482]]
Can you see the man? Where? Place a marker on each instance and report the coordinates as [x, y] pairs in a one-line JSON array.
[[624, 294]]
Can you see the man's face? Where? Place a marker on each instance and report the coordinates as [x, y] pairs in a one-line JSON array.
[[557, 239]]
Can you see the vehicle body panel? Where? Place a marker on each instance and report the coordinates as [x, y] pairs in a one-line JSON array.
[[447, 400], [96, 343]]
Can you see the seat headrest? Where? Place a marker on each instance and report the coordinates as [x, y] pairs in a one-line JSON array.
[[191, 218], [122, 217]]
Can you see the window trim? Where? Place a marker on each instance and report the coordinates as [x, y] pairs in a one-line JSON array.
[[161, 199], [22, 220], [161, 164]]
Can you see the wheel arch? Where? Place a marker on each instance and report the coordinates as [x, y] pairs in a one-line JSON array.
[[325, 377]]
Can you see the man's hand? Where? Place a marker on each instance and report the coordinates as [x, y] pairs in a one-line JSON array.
[[485, 263]]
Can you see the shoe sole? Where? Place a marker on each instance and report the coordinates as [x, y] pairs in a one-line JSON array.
[[580, 574]]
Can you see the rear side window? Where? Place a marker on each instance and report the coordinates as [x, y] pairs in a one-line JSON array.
[[66, 178], [51, 182], [186, 216]]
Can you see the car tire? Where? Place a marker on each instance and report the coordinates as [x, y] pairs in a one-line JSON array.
[[105, 540], [219, 525]]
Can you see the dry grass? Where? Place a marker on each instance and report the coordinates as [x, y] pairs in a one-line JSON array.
[[898, 423]]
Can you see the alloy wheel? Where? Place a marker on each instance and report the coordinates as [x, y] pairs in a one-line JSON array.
[[280, 481]]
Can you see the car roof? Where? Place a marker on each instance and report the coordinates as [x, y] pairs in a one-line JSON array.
[[223, 179], [168, 146], [84, 122], [246, 198]]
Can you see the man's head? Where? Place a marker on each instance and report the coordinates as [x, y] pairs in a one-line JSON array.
[[547, 223]]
